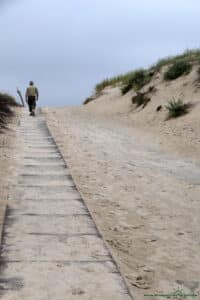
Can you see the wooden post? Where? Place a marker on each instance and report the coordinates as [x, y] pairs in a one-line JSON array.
[[21, 97]]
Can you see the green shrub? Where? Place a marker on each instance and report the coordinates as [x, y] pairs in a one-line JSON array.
[[177, 108], [178, 69], [140, 99], [138, 79]]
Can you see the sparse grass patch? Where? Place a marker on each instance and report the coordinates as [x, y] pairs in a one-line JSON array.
[[107, 82], [87, 100], [178, 69], [138, 79], [180, 65], [126, 88], [6, 102], [177, 108], [144, 76], [8, 99], [190, 56], [121, 79], [140, 100]]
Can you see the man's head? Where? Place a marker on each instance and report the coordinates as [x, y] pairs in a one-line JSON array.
[[31, 83]]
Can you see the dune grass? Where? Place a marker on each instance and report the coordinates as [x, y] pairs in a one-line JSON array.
[[178, 69], [141, 99], [89, 99], [138, 78], [112, 81], [177, 108], [6, 112], [189, 56]]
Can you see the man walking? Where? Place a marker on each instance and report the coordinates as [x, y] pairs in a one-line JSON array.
[[32, 96]]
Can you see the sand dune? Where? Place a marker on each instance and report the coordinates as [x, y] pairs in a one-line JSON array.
[[139, 176], [180, 135]]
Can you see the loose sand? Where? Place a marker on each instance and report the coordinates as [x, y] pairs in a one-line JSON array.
[[8, 150], [141, 185]]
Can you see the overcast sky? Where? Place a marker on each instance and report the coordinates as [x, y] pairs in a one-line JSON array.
[[67, 46]]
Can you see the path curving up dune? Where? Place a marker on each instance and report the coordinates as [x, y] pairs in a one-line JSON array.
[[144, 200]]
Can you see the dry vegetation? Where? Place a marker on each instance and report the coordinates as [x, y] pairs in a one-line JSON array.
[[175, 67], [6, 112], [177, 108], [9, 117]]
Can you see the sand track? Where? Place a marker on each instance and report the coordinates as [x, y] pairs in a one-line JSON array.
[[145, 201]]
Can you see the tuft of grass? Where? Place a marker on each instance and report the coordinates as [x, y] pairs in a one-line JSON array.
[[178, 69], [107, 82], [177, 108], [8, 99], [6, 102], [190, 56], [113, 81], [126, 88], [138, 79], [140, 100], [89, 99]]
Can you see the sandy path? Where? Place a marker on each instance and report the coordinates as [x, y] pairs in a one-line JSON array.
[[7, 161], [145, 201], [51, 247]]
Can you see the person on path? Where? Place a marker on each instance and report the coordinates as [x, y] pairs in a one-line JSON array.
[[32, 95]]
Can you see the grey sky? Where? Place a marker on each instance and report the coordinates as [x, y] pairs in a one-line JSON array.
[[67, 47]]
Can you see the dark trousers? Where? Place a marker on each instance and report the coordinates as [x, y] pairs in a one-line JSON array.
[[31, 103]]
